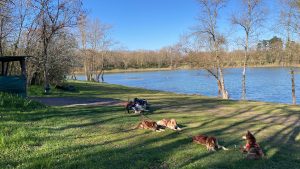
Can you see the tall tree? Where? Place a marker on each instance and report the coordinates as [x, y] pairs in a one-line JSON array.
[[289, 20], [6, 23], [207, 28], [99, 42], [53, 16], [21, 15], [249, 19], [82, 25]]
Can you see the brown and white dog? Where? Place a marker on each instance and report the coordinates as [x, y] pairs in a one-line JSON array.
[[148, 124], [169, 123], [211, 143], [252, 149]]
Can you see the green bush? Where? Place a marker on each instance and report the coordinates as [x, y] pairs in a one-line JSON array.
[[13, 102]]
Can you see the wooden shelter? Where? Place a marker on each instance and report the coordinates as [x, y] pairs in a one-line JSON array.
[[13, 81]]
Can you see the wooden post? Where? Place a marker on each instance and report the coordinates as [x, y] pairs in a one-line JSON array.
[[6, 68], [23, 69], [2, 71]]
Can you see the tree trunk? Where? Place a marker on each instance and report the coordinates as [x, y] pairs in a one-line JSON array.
[[46, 78], [86, 67], [244, 83], [73, 76], [98, 75], [223, 89], [171, 61], [90, 77], [219, 87], [220, 81], [244, 68], [1, 48], [102, 67], [102, 77], [16, 44], [46, 71], [293, 85], [220, 75], [1, 37]]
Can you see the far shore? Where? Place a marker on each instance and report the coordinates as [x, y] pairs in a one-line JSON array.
[[179, 68]]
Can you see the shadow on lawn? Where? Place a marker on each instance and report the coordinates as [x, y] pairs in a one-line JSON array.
[[77, 112], [138, 155], [280, 145], [281, 150]]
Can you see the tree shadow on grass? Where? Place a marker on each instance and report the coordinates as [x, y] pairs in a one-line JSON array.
[[156, 150], [62, 113], [281, 150], [137, 155], [280, 145]]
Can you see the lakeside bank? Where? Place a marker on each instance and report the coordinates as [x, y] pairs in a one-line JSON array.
[[182, 68]]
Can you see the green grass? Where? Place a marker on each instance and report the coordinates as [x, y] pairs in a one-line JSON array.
[[15, 102], [97, 137]]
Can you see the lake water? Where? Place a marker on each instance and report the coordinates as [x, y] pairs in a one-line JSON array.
[[263, 84]]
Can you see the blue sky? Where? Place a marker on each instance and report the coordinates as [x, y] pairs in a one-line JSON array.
[[152, 24]]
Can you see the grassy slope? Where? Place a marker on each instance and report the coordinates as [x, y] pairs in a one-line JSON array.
[[96, 137]]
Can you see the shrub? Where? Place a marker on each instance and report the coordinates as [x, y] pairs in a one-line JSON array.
[[15, 102]]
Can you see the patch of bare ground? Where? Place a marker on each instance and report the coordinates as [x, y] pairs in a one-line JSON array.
[[72, 101]]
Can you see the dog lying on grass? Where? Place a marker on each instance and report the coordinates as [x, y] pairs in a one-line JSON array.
[[169, 123], [128, 106], [148, 124], [137, 105], [211, 143], [252, 149]]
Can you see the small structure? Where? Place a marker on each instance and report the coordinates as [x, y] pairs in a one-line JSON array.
[[13, 80]]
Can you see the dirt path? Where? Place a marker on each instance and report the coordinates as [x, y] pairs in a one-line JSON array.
[[71, 101]]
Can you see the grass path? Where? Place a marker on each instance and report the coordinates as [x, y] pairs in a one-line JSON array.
[[97, 136]]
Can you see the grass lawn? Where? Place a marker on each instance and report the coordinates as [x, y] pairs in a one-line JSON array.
[[97, 137]]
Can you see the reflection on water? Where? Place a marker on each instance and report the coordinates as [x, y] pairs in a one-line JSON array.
[[263, 84]]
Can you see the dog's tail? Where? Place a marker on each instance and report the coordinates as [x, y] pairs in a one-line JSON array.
[[134, 128], [137, 126], [178, 129], [222, 147]]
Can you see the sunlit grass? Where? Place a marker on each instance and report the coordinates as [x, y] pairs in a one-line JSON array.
[[15, 102], [101, 137]]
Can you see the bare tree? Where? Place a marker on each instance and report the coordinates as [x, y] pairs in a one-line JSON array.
[[53, 16], [82, 25], [98, 38], [21, 21], [208, 22], [249, 19], [6, 23], [171, 53], [289, 20]]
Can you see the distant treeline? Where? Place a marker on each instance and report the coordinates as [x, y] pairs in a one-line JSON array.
[[267, 52], [63, 40]]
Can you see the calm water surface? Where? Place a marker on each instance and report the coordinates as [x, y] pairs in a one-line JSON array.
[[263, 84]]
